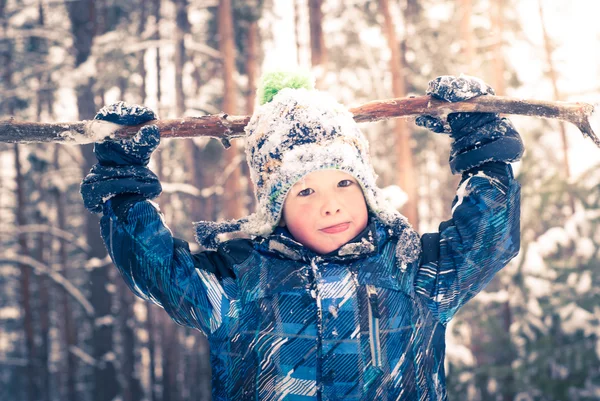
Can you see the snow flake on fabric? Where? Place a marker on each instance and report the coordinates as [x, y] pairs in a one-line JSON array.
[[357, 248]]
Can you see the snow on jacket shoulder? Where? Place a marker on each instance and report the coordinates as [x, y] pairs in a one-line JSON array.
[[285, 323]]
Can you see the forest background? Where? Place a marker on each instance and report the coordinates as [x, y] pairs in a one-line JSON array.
[[69, 327]]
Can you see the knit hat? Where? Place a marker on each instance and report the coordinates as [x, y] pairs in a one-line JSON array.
[[295, 131]]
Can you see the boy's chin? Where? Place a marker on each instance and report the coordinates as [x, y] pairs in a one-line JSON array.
[[330, 244]]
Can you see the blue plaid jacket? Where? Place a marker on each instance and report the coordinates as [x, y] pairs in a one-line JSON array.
[[286, 324]]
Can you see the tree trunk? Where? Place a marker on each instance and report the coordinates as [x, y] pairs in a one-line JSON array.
[[203, 363], [158, 155], [507, 355], [25, 279], [157, 38], [503, 356], [448, 192], [251, 65], [151, 350], [297, 31], [497, 14], [466, 35], [404, 159], [25, 284], [233, 204], [129, 368], [252, 71], [318, 51], [141, 62], [106, 387], [557, 96], [69, 332], [43, 281], [181, 22], [170, 358], [189, 147], [44, 322]]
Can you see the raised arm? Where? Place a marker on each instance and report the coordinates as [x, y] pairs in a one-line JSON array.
[[196, 290], [483, 234]]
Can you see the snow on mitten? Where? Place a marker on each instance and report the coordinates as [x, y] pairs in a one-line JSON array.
[[478, 137], [121, 167]]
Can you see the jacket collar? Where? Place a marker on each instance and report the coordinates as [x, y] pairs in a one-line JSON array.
[[366, 243]]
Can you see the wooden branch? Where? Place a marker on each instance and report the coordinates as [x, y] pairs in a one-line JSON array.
[[225, 127]]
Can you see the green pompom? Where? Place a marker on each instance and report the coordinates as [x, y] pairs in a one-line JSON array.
[[272, 82]]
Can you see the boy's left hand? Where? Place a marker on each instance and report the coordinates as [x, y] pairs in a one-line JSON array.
[[478, 137], [122, 164]]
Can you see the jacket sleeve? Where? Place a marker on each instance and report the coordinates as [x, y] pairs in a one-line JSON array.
[[196, 290], [482, 236]]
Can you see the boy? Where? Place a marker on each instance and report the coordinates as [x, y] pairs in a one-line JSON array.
[[334, 296]]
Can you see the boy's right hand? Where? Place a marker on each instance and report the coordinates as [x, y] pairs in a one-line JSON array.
[[121, 167]]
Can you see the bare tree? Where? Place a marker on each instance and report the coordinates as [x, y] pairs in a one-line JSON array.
[[189, 148], [318, 51], [156, 10], [181, 27], [141, 55], [106, 386], [151, 350], [557, 96], [68, 325], [497, 17], [25, 286], [30, 371], [297, 31], [252, 55], [466, 35], [404, 159], [233, 205], [130, 375], [170, 358]]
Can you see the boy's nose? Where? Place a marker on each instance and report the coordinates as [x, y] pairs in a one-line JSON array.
[[330, 207]]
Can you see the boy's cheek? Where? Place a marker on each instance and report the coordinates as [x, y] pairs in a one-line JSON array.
[[302, 211]]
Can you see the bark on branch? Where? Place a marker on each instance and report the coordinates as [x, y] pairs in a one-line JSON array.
[[226, 127]]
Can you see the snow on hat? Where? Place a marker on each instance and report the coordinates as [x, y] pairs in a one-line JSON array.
[[295, 131]]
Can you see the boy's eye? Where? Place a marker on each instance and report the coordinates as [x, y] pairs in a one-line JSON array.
[[345, 183], [306, 192]]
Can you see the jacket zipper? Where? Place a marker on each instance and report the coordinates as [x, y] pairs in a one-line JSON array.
[[374, 337], [317, 296]]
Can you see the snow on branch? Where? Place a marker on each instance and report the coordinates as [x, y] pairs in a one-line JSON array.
[[14, 361], [226, 127], [53, 231], [41, 268], [188, 189], [83, 356]]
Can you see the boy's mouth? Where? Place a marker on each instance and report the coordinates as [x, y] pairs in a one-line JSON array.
[[338, 228]]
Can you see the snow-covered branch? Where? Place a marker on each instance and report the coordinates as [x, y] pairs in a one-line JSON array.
[[189, 189], [46, 229], [226, 127], [41, 268], [83, 356]]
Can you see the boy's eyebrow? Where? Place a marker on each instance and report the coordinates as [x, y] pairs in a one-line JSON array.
[[300, 182]]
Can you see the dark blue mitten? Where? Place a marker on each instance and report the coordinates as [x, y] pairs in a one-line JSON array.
[[122, 164], [479, 138]]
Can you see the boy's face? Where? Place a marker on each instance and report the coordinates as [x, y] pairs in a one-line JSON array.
[[325, 210]]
